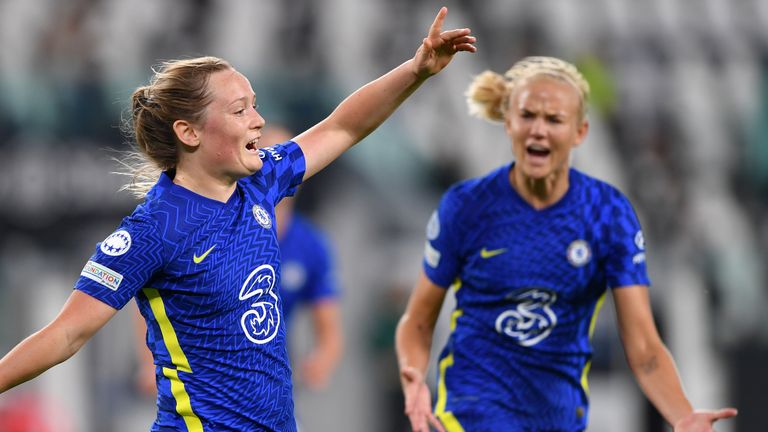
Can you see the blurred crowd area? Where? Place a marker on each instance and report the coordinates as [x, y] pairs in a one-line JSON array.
[[679, 122]]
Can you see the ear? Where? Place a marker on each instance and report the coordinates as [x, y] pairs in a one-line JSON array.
[[186, 133], [508, 124], [581, 133]]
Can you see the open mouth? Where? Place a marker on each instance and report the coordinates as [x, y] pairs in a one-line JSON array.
[[253, 145], [538, 150]]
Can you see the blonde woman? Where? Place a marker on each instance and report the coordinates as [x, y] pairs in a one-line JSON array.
[[532, 249]]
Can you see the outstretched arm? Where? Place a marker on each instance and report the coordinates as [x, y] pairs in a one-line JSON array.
[[413, 341], [653, 366], [365, 109], [80, 317]]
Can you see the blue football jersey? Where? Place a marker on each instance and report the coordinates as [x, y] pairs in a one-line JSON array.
[[307, 266], [205, 276], [529, 284]]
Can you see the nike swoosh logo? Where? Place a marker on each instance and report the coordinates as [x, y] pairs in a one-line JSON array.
[[485, 253], [199, 259]]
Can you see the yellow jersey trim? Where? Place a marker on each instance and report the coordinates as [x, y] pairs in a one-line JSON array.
[[450, 421], [183, 404], [179, 360], [592, 322]]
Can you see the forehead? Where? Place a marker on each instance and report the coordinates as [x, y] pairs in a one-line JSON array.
[[228, 86], [550, 91]]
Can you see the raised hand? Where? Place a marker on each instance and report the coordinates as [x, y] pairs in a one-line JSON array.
[[439, 47], [702, 420], [418, 401]]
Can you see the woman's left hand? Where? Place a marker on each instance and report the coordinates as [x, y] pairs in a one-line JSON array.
[[702, 420], [439, 47]]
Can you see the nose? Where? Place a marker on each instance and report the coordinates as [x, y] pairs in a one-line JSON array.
[[257, 121], [539, 128]]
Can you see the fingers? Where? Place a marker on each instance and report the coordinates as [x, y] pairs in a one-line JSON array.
[[437, 25], [465, 43], [723, 414], [455, 34], [435, 422], [459, 39]]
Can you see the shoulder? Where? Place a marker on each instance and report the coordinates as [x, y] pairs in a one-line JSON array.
[[598, 191], [288, 151], [475, 193]]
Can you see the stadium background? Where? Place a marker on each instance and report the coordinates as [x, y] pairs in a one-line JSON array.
[[679, 121]]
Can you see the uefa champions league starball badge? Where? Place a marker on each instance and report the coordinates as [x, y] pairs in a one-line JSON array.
[[117, 243]]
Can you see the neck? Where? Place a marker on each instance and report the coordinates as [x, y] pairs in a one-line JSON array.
[[202, 183], [540, 192]]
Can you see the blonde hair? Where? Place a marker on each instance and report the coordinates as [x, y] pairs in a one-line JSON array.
[[488, 94], [178, 90]]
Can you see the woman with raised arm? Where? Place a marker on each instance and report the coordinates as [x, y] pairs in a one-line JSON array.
[[200, 254]]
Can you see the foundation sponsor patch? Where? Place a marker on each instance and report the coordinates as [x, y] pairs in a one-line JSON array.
[[103, 275]]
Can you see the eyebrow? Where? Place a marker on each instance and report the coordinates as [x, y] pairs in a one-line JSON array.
[[243, 99]]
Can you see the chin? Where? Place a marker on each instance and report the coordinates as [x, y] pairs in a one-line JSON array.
[[537, 172], [254, 166]]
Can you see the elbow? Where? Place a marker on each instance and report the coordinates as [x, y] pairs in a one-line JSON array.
[[69, 341], [645, 359]]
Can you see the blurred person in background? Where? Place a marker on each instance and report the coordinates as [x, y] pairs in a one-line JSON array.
[[531, 250], [308, 279], [206, 229]]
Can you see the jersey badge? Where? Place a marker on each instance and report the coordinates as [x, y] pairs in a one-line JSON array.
[[431, 255], [262, 216], [103, 275], [294, 276], [433, 226], [117, 243], [640, 240], [199, 259], [579, 253]]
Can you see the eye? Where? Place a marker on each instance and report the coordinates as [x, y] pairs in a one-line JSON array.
[[239, 112], [554, 119], [526, 114]]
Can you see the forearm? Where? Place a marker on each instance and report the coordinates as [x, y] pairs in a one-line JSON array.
[[36, 354], [413, 340], [657, 376], [328, 348], [367, 108]]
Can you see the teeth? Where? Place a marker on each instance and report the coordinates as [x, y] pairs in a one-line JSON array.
[[538, 148]]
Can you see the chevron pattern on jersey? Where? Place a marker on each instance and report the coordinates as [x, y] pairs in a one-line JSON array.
[[214, 268]]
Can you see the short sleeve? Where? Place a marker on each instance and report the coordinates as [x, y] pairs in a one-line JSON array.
[[322, 284], [625, 264], [122, 263], [442, 259], [285, 165]]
